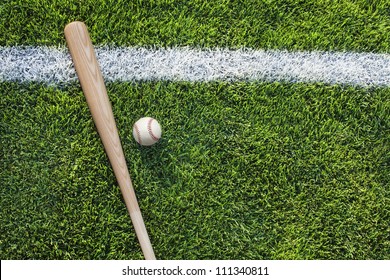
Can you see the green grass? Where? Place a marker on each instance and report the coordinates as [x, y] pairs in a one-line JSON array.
[[244, 170], [293, 24], [258, 171]]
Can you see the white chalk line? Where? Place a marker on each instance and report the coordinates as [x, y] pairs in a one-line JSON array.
[[52, 66]]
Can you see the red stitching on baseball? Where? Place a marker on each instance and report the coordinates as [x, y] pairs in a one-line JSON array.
[[138, 133], [154, 137]]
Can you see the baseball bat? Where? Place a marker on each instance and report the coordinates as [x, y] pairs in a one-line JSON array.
[[92, 83]]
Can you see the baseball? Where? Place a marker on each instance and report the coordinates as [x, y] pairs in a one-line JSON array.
[[146, 131]]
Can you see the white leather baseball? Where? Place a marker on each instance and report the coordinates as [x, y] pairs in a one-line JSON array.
[[146, 131]]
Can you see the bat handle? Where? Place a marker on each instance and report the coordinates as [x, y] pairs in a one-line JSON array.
[[92, 83]]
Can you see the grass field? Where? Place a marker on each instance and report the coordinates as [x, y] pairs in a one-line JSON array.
[[245, 170]]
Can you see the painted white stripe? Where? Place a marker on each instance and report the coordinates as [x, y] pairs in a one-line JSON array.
[[51, 65]]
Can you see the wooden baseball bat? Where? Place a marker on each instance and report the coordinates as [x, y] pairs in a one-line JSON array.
[[92, 83]]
